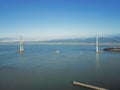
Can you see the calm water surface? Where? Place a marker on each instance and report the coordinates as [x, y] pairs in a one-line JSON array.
[[41, 68]]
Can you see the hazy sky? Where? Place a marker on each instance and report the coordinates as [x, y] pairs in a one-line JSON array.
[[56, 19]]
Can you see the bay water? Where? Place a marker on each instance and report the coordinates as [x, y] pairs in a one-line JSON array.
[[39, 67]]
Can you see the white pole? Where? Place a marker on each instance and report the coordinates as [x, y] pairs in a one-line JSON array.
[[97, 43]]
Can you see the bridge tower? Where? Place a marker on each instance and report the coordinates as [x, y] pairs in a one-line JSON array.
[[21, 44], [97, 43]]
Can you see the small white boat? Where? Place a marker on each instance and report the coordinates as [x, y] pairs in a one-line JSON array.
[[57, 52]]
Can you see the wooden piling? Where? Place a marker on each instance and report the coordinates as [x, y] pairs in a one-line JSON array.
[[88, 86]]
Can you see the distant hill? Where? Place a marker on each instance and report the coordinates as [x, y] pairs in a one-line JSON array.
[[90, 40], [113, 39], [8, 38]]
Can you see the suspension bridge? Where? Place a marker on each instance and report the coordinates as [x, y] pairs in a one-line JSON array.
[[96, 41]]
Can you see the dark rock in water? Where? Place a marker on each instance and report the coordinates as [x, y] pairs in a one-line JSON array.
[[112, 49]]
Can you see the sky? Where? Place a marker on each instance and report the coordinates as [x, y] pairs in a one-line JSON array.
[[58, 19]]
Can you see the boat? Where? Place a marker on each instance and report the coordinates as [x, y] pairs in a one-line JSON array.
[[116, 49]]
